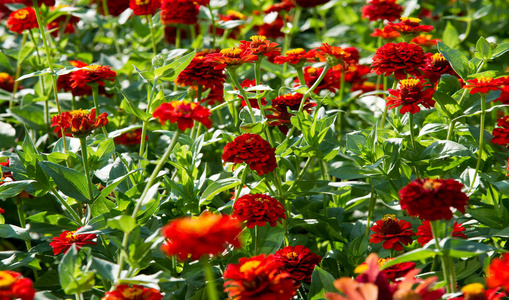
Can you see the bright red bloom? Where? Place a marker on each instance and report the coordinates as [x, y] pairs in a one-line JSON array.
[[483, 85], [410, 93], [135, 292], [132, 137], [392, 232], [115, 7], [79, 123], [22, 19], [310, 3], [144, 7], [194, 237], [382, 10], [386, 33], [6, 82], [258, 209], [336, 57], [425, 234], [501, 134], [183, 113], [298, 261], [476, 291], [296, 57], [202, 71], [280, 106], [400, 59], [179, 12], [356, 73], [65, 83], [432, 199], [13, 286], [260, 46], [232, 58], [92, 74], [246, 83], [409, 26], [425, 40], [498, 273], [272, 30], [258, 278], [504, 96], [435, 65], [396, 271], [68, 238], [2, 211], [285, 5], [253, 150], [60, 21]]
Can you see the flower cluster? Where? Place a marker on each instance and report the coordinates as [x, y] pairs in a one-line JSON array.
[[258, 209], [251, 149], [382, 10]]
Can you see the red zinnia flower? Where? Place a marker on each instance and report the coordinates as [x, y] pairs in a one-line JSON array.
[[400, 59], [432, 199], [132, 137], [13, 286], [144, 7], [253, 150], [396, 271], [79, 122], [272, 30], [65, 83], [246, 83], [280, 107], [135, 292], [382, 10], [410, 26], [6, 82], [258, 277], [258, 209], [6, 176], [336, 57], [435, 65], [425, 40], [183, 113], [22, 19], [115, 7], [356, 73], [425, 234], [310, 3], [260, 46], [483, 85], [92, 74], [194, 237], [501, 134], [410, 93], [202, 71], [296, 57], [498, 273], [386, 33], [60, 21], [179, 12], [232, 58], [476, 291], [298, 261], [67, 238], [392, 232], [504, 96], [285, 5]]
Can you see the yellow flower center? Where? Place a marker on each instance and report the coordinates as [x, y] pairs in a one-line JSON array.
[[70, 237], [142, 2], [389, 217], [258, 38], [411, 20], [431, 184], [6, 280], [438, 57], [382, 261], [78, 113], [360, 269], [250, 266], [235, 14], [93, 68], [233, 52], [484, 80], [292, 255], [259, 199], [21, 14], [132, 292], [4, 76], [473, 289], [297, 51], [409, 83], [200, 224], [312, 71]]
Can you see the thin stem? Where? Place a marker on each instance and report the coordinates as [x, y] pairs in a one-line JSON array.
[[213, 26], [301, 174], [411, 123], [152, 34], [445, 268], [342, 85], [106, 11], [142, 152], [235, 80], [73, 102], [242, 181], [177, 37], [300, 75], [317, 29], [18, 71], [481, 139], [322, 165], [22, 221], [79, 296], [209, 277], [95, 96], [67, 206], [256, 240], [371, 208], [84, 155]]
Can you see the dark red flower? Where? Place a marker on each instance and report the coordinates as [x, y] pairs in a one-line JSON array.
[[232, 58], [132, 137], [135, 292], [260, 278], [409, 26], [382, 10], [246, 83], [336, 57], [476, 291], [272, 30], [296, 57], [115, 7], [501, 134], [410, 93], [60, 21], [6, 82], [68, 238], [392, 232], [425, 40], [22, 19], [13, 286], [425, 234], [298, 261], [92, 74], [504, 96], [215, 95], [280, 106], [202, 71], [310, 3], [400, 59], [396, 271], [253, 150], [79, 123], [258, 209], [260, 46], [285, 5], [483, 85], [435, 65], [498, 273], [386, 33], [65, 83], [179, 12], [432, 199], [183, 113], [144, 7], [194, 237]]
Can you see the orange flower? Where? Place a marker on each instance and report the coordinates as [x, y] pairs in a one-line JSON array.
[[251, 149], [382, 10], [13, 286], [425, 40], [258, 209], [79, 123], [232, 58], [336, 57], [410, 93], [386, 33], [409, 26], [498, 273], [92, 74], [483, 85], [144, 7], [296, 57], [22, 19], [260, 46], [392, 232], [194, 237], [258, 277], [135, 292], [183, 113], [400, 59], [66, 239]]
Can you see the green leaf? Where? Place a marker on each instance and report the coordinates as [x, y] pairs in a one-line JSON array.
[[35, 74], [123, 223], [105, 269], [4, 62], [72, 279], [414, 255], [461, 248], [70, 182], [500, 50], [9, 189], [270, 238], [456, 58], [483, 48], [11, 231], [217, 187], [502, 186], [171, 72], [321, 282], [447, 106], [131, 108], [450, 36], [444, 149]]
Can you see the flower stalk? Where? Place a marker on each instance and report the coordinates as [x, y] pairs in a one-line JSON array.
[[446, 268], [481, 138]]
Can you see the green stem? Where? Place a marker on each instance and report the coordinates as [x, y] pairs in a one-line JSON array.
[[67, 206], [235, 80], [106, 11], [300, 75], [481, 139], [209, 277], [22, 221], [242, 181], [322, 165], [445, 269], [213, 26], [371, 209], [152, 34], [256, 240], [18, 71], [95, 96], [318, 32], [411, 123], [79, 296], [177, 37], [84, 154], [142, 152], [301, 174]]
